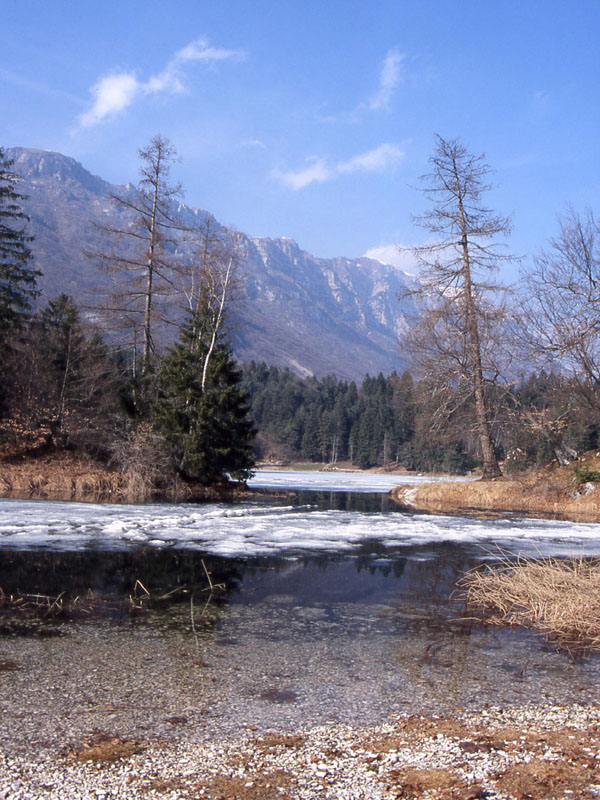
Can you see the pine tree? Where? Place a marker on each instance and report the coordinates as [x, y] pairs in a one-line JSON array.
[[309, 449], [207, 427], [17, 276]]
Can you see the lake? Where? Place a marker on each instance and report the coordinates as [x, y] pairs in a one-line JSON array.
[[335, 605]]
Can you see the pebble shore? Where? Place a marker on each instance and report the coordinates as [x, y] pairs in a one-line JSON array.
[[533, 751]]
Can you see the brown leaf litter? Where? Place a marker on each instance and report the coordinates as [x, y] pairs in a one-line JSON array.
[[103, 747]]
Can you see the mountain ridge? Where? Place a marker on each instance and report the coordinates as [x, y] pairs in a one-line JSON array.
[[313, 315]]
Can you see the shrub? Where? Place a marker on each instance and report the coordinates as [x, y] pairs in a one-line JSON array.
[[586, 475]]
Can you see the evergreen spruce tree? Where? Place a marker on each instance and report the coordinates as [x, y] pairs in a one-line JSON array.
[[17, 275], [309, 449], [403, 401], [62, 349], [207, 429]]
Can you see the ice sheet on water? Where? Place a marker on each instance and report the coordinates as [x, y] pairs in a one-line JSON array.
[[247, 529], [336, 481]]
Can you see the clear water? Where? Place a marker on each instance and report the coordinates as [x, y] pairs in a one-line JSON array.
[[336, 607]]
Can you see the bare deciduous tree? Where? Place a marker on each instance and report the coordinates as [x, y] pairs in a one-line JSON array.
[[455, 342], [211, 280], [560, 320], [141, 251]]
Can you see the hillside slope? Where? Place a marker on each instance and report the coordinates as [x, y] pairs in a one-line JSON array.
[[315, 316]]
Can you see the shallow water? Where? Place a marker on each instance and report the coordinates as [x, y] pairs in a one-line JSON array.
[[328, 613]]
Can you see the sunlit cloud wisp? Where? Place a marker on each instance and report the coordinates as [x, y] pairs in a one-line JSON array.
[[389, 79], [379, 159], [115, 92]]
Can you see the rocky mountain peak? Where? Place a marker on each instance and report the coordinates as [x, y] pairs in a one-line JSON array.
[[316, 316], [46, 165]]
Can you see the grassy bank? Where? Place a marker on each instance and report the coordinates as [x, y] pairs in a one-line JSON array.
[[558, 491], [69, 476]]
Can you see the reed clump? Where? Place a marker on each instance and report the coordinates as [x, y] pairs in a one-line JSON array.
[[559, 598]]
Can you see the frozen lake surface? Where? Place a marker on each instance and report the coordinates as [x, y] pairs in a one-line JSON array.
[[338, 481], [324, 520]]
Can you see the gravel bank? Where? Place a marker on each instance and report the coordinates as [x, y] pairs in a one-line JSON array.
[[527, 752], [149, 711]]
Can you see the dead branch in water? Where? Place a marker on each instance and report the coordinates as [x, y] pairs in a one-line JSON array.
[[64, 605]]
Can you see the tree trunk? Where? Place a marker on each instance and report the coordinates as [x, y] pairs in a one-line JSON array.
[[149, 277], [491, 468], [218, 321]]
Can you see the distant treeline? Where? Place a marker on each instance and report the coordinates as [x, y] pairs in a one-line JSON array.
[[394, 419], [66, 387]]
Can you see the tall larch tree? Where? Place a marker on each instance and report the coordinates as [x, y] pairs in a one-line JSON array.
[[141, 256], [454, 342]]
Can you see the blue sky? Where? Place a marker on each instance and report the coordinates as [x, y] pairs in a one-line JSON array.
[[315, 120]]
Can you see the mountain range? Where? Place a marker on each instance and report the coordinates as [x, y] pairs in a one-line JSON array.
[[314, 315]]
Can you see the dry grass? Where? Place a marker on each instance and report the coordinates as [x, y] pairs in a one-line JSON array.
[[547, 780], [69, 476], [558, 598], [414, 782], [60, 477], [547, 492], [273, 785]]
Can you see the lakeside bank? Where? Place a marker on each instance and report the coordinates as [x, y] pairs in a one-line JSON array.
[[66, 476], [554, 492]]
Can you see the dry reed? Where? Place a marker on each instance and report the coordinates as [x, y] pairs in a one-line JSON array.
[[547, 492], [557, 598]]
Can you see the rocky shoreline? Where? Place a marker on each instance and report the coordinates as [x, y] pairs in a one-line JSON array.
[[532, 752]]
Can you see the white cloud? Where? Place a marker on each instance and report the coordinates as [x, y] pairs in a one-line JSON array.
[[316, 172], [377, 160], [254, 143], [111, 94], [199, 50], [118, 90], [384, 157], [391, 76], [396, 255], [389, 79]]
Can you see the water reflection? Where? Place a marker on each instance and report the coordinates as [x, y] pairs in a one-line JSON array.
[[370, 576], [299, 641], [367, 502]]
